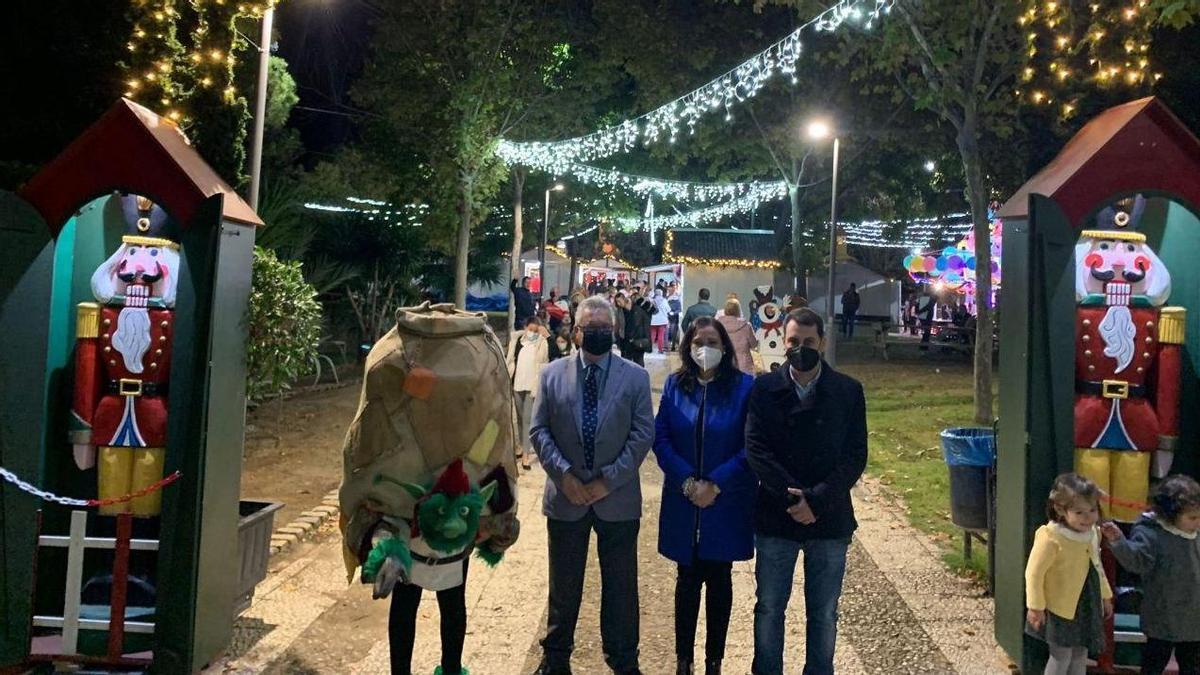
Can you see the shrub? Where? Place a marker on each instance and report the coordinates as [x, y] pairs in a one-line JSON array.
[[284, 320]]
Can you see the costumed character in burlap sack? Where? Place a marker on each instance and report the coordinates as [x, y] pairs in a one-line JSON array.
[[123, 361], [429, 470], [1127, 361]]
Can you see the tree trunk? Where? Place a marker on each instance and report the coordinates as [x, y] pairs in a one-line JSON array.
[[464, 243], [968, 148], [518, 181], [798, 268]]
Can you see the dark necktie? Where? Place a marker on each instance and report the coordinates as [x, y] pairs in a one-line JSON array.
[[591, 395]]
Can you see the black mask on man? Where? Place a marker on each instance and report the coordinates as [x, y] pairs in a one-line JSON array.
[[803, 358], [598, 341]]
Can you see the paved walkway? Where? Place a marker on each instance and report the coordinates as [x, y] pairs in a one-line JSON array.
[[901, 612]]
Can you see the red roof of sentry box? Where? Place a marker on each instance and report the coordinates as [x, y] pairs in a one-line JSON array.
[[130, 148], [1136, 146]]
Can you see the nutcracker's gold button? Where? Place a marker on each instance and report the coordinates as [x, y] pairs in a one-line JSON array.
[[153, 365], [1149, 324], [164, 324], [105, 336], [158, 352], [1087, 322], [112, 363], [107, 350], [1141, 369], [1088, 353], [1086, 338], [1091, 369], [107, 322], [162, 338], [1149, 340], [1145, 355]]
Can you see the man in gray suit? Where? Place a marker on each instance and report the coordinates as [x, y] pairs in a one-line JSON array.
[[592, 427]]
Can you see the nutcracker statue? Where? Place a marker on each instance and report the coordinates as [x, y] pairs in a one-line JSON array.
[[122, 361], [1128, 360]]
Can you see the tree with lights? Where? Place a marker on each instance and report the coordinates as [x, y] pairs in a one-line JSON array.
[[446, 80], [181, 62]]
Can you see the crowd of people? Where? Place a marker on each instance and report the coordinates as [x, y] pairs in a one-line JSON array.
[[753, 468]]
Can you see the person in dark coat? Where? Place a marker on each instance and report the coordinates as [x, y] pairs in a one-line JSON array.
[[698, 310], [708, 488], [806, 441], [851, 301], [637, 330], [522, 302]]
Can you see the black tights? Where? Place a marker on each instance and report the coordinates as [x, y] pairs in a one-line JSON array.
[[718, 603], [1157, 654], [402, 625]]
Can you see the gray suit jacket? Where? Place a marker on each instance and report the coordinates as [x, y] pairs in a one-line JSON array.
[[623, 438]]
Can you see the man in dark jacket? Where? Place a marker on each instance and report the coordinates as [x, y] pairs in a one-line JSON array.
[[850, 304], [522, 302], [637, 330], [806, 440], [697, 310]]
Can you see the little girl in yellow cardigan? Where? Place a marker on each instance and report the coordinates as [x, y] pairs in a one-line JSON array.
[[1066, 594]]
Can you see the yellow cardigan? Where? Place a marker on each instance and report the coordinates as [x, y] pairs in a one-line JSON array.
[[1058, 567]]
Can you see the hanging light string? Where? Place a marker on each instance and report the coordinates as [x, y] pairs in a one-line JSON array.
[[735, 86], [682, 190]]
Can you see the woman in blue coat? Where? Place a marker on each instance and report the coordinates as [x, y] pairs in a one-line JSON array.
[[707, 518]]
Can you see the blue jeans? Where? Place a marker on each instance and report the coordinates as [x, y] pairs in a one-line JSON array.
[[774, 567]]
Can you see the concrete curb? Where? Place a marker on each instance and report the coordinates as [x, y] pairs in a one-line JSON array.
[[283, 538]]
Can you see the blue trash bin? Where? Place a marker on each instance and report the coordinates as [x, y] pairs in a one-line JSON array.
[[970, 455]]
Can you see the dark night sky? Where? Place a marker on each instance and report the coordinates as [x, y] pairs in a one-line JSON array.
[[324, 43]]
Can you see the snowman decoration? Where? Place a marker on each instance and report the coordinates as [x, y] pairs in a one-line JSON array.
[[767, 316]]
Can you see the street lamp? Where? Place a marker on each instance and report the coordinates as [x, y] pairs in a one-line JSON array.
[[557, 187], [260, 104], [820, 130]]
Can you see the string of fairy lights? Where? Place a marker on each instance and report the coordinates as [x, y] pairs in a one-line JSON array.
[[689, 191], [665, 122], [1068, 49], [164, 74]]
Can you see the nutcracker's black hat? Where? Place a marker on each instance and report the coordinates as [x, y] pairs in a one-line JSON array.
[[146, 223]]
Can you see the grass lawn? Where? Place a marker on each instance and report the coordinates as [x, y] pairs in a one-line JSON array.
[[908, 405]]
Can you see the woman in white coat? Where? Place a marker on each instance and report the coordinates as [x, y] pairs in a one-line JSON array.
[[528, 353], [659, 320]]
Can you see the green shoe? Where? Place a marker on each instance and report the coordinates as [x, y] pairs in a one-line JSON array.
[[462, 671]]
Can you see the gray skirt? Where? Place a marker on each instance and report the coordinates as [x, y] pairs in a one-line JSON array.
[[1085, 630]]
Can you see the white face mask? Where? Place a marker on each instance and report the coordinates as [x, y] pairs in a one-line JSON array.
[[707, 357]]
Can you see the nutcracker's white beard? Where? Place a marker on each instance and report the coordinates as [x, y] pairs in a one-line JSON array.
[[1119, 335], [132, 337]]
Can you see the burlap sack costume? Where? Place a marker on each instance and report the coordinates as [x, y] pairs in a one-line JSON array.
[[436, 388]]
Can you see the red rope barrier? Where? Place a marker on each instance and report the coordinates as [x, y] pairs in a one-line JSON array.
[[140, 493]]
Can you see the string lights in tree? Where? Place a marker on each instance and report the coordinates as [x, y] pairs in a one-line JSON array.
[[720, 94], [1073, 46], [689, 191], [153, 52], [193, 83]]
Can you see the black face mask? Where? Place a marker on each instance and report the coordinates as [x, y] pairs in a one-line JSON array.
[[803, 358], [597, 341]]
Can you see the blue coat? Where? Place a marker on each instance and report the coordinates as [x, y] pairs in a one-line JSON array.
[[726, 529]]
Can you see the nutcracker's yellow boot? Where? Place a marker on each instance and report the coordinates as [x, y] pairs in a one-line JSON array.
[[1130, 484], [147, 470], [115, 467]]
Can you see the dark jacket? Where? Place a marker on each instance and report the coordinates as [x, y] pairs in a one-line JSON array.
[[522, 303], [821, 450], [637, 329], [850, 302], [1169, 566], [723, 531], [696, 311]]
